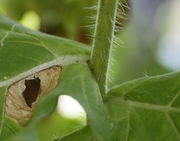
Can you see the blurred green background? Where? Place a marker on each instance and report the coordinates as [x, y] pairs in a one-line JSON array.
[[65, 18], [147, 40]]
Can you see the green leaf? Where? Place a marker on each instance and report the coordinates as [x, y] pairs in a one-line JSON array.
[[146, 109], [23, 49], [8, 126], [48, 129], [77, 82], [85, 134], [24, 52]]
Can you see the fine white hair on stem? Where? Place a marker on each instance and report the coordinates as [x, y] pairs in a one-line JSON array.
[[110, 19], [91, 7], [122, 15], [91, 21]]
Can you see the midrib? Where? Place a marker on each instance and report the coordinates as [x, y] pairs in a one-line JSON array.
[[62, 61], [149, 106]]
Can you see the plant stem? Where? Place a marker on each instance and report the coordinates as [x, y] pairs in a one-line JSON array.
[[102, 43]]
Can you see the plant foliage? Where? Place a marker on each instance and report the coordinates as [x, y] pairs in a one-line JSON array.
[[145, 109]]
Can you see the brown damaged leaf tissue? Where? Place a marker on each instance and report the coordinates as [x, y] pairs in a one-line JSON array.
[[23, 95]]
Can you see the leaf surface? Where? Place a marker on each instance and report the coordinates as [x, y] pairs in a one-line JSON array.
[[22, 49], [24, 52], [85, 134], [146, 109], [77, 82]]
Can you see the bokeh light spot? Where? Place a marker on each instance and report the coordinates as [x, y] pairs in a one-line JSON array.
[[70, 108], [31, 19]]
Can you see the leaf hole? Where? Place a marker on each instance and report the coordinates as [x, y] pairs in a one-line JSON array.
[[32, 90], [23, 95]]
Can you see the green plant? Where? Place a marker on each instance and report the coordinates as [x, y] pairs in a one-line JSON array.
[[146, 109]]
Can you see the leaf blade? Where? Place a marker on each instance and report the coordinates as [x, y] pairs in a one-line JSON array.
[[24, 49], [146, 108]]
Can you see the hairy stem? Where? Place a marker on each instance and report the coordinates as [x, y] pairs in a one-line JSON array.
[[102, 42]]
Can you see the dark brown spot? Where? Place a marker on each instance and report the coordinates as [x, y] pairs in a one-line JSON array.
[[32, 90]]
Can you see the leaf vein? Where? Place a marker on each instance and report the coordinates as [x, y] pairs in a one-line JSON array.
[[174, 99], [128, 127], [173, 125], [150, 106]]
